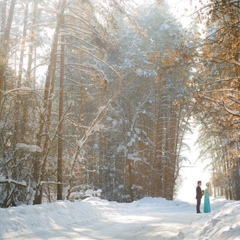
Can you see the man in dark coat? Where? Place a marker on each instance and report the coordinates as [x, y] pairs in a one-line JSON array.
[[198, 195]]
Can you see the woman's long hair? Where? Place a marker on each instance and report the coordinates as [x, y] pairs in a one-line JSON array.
[[209, 188]]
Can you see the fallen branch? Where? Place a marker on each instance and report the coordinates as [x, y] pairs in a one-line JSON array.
[[9, 180]]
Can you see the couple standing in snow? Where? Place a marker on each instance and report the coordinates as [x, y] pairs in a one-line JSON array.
[[207, 193]]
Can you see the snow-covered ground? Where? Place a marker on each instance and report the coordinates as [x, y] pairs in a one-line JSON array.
[[148, 218]]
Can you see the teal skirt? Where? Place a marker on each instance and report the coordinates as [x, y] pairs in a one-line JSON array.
[[207, 207]]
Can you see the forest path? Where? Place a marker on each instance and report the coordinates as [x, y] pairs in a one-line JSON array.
[[173, 220]]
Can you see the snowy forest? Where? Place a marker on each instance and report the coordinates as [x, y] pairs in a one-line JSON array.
[[99, 95]]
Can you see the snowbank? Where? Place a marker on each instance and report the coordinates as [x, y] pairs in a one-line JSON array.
[[25, 219], [223, 225], [93, 218]]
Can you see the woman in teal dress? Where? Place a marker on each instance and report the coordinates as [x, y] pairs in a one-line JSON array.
[[207, 194]]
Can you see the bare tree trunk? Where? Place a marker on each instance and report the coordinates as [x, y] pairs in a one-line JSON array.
[[39, 169], [171, 154], [160, 138], [4, 48], [157, 177], [30, 79], [19, 82], [3, 13], [31, 46], [60, 129], [23, 46]]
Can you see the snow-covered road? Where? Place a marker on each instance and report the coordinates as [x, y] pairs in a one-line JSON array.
[[149, 218]]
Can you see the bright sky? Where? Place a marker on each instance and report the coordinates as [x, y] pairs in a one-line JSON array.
[[193, 171], [183, 9]]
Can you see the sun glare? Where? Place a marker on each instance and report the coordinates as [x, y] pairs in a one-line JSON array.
[[184, 10]]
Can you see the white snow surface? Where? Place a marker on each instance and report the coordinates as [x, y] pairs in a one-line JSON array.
[[148, 218]]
